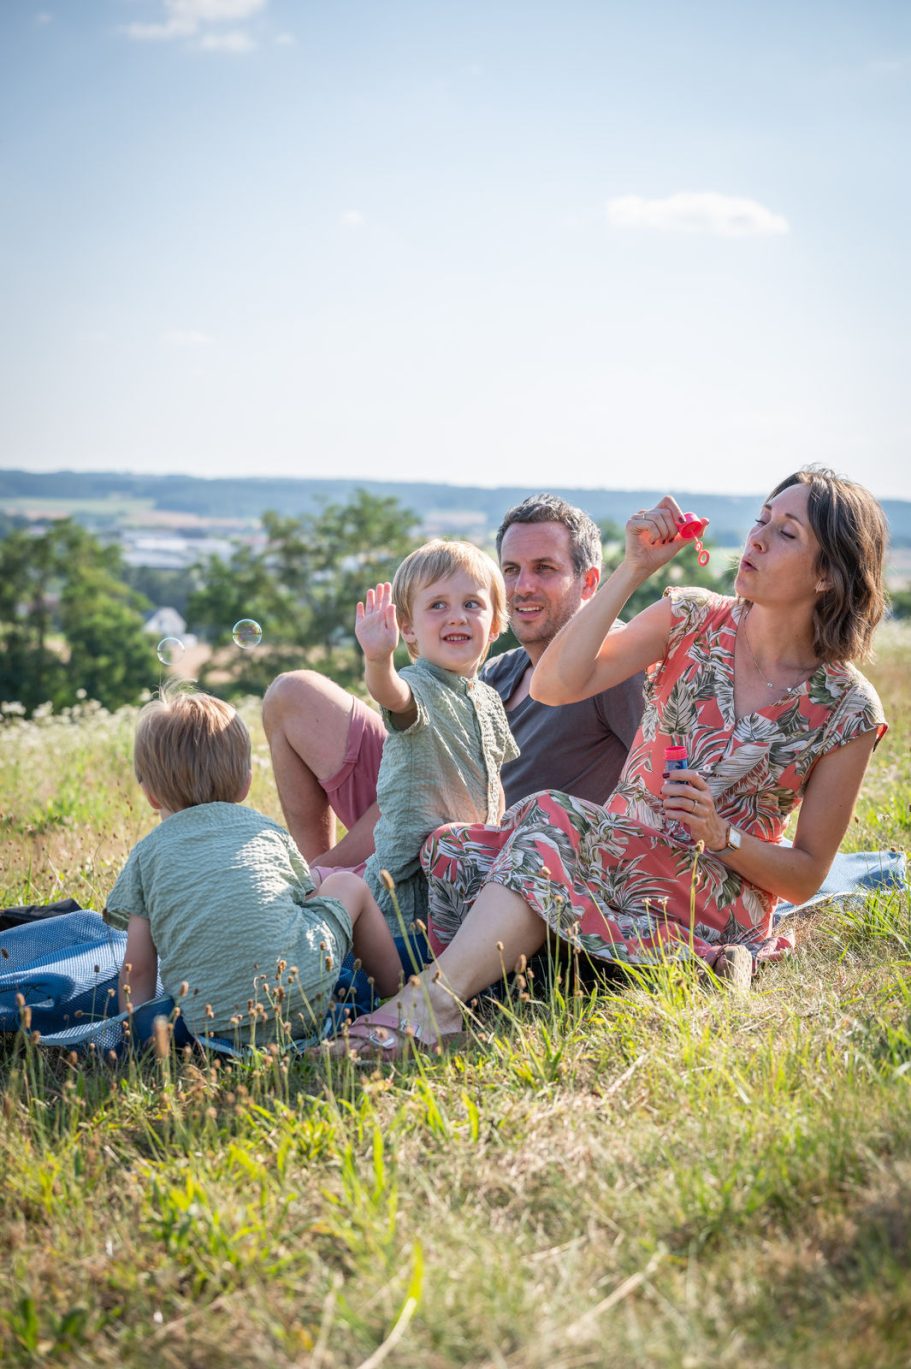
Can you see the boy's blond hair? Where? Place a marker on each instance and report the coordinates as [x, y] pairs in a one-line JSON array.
[[191, 748], [437, 560]]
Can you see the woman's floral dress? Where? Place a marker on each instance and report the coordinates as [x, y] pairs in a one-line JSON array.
[[622, 882]]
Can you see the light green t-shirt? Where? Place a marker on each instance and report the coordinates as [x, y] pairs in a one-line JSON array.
[[226, 894], [444, 768]]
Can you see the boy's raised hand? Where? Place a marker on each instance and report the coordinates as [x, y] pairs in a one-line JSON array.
[[375, 624], [377, 631]]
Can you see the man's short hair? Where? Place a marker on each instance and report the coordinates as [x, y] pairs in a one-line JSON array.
[[437, 560], [191, 748], [584, 534]]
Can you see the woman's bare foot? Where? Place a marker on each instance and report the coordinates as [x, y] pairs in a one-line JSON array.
[[422, 1015]]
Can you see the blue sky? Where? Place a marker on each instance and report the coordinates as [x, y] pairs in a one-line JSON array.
[[638, 244]]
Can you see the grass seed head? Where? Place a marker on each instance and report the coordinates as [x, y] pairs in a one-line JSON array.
[[161, 1038]]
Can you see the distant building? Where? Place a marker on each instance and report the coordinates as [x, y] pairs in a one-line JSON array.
[[171, 551], [167, 622]]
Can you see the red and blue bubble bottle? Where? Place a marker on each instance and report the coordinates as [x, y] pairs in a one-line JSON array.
[[675, 758], [691, 528]]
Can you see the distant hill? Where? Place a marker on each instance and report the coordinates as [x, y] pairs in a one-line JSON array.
[[452, 507]]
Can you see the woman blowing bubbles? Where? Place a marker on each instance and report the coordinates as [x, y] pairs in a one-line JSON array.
[[762, 692]]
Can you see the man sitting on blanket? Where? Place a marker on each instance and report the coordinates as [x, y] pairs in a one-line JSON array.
[[326, 744]]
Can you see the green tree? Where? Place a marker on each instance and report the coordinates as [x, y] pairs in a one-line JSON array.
[[900, 603], [301, 587], [163, 587], [68, 622]]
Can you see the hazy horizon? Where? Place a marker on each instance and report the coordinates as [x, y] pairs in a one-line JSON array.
[[368, 478]]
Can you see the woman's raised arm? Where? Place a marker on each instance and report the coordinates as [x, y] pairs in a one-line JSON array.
[[589, 653]]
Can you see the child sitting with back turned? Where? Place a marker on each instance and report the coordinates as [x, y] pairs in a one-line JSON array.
[[447, 730], [221, 896]]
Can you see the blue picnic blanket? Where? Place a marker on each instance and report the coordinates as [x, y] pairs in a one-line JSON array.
[[65, 969], [853, 873]]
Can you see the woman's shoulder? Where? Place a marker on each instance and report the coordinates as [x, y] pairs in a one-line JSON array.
[[693, 607], [841, 683]]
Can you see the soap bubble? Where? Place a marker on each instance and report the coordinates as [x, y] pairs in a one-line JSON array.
[[247, 634], [170, 650]]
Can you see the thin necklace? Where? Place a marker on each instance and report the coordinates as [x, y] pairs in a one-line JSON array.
[[769, 684]]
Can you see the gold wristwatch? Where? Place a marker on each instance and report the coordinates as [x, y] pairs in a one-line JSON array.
[[733, 839]]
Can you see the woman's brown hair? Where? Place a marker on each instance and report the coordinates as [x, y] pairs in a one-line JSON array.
[[851, 530]]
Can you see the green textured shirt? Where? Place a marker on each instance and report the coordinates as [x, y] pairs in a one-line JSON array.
[[444, 768], [225, 891]]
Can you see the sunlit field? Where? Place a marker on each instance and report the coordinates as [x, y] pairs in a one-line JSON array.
[[656, 1172]]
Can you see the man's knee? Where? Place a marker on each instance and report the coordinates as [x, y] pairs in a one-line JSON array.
[[310, 715], [289, 694]]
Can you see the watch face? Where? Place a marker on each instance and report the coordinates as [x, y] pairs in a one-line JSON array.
[[734, 839]]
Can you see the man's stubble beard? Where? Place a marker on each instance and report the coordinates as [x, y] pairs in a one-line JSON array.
[[546, 630]]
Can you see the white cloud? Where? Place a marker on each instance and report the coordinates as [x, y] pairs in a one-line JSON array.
[[233, 41], [886, 66], [186, 337], [43, 17], [726, 216], [285, 40], [352, 218], [214, 11], [155, 33], [186, 18]]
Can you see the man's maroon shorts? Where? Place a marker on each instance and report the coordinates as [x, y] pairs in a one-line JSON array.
[[352, 789]]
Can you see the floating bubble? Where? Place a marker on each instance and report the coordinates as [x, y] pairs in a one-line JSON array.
[[247, 634], [170, 650]]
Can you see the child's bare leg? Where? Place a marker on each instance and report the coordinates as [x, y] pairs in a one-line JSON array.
[[372, 939]]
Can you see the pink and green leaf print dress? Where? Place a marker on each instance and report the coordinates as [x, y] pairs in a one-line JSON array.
[[623, 883]]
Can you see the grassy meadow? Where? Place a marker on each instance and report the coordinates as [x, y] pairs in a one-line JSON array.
[[654, 1173]]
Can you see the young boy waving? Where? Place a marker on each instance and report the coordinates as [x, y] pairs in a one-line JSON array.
[[447, 731]]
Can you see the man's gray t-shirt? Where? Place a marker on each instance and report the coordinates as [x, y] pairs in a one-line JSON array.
[[577, 748]]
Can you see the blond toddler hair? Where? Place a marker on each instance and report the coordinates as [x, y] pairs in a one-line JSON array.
[[191, 748]]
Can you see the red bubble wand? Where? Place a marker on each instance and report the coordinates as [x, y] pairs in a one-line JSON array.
[[691, 528]]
